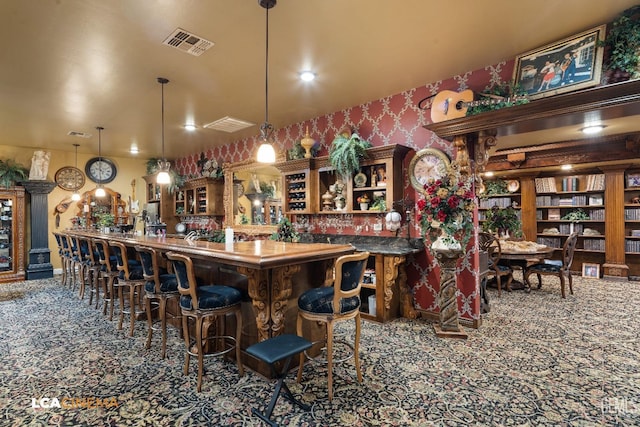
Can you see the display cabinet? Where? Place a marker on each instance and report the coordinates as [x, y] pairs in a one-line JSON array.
[[200, 196], [12, 234], [153, 189], [298, 183], [379, 181]]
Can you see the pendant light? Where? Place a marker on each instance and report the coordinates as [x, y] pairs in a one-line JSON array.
[[100, 190], [76, 195], [266, 152], [163, 176]]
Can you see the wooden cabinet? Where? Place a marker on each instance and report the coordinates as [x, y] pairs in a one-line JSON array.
[[12, 234], [90, 207], [511, 197], [380, 293], [200, 196], [298, 185], [153, 189], [380, 177]]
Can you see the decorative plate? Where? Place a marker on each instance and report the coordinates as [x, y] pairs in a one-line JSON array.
[[180, 228], [513, 186], [360, 180]]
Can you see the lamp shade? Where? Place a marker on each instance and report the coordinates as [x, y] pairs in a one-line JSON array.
[[163, 178], [266, 153], [100, 192]]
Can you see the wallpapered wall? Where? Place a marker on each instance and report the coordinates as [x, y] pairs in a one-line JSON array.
[[395, 119]]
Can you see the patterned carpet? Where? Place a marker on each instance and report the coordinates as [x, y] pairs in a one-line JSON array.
[[536, 360]]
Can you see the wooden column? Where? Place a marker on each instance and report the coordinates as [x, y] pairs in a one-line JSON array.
[[40, 266], [614, 265]]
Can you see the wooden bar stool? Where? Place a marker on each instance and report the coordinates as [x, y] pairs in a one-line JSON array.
[[331, 304], [132, 280], [108, 274], [271, 351], [160, 287], [206, 305]]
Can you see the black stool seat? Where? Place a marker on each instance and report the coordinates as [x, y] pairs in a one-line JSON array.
[[272, 350]]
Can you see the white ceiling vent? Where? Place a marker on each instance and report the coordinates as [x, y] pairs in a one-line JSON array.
[[79, 134], [229, 124], [188, 42]]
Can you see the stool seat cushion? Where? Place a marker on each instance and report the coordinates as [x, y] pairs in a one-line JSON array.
[[135, 273], [320, 300], [212, 297], [168, 283], [545, 268], [278, 348]]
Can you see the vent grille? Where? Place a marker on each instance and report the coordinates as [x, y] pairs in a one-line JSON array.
[[79, 134], [229, 124], [188, 42]]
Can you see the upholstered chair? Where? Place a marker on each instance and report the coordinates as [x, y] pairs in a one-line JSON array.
[[131, 280], [559, 269], [336, 303], [61, 241], [159, 287], [206, 306], [108, 275]]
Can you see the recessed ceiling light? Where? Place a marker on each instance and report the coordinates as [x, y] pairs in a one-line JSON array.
[[307, 76], [566, 167], [190, 127], [134, 149], [589, 130]]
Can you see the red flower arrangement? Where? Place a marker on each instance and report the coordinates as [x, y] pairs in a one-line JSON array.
[[448, 206]]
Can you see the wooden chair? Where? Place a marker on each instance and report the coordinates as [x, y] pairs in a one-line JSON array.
[[160, 287], [108, 275], [562, 269], [131, 279], [206, 305], [489, 243], [73, 261], [61, 241], [90, 267], [336, 303]]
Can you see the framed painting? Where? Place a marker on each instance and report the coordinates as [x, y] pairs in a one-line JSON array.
[[633, 180], [564, 66], [591, 270]]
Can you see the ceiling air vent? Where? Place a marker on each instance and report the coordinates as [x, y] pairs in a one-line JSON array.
[[187, 42], [229, 124], [79, 134]]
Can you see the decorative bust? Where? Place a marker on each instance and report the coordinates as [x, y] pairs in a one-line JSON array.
[[39, 165]]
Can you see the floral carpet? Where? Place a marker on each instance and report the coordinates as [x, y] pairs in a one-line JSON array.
[[537, 360]]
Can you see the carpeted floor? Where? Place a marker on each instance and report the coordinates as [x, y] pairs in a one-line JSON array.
[[536, 360]]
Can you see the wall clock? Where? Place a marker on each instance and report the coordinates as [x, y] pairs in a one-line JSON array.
[[100, 170], [427, 164], [69, 178]]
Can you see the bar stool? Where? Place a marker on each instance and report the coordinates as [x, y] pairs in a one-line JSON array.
[[271, 351], [62, 251], [88, 269], [72, 260], [160, 287], [108, 274], [131, 279], [331, 304], [206, 305]]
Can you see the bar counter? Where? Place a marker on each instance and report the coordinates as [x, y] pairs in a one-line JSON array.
[[274, 274]]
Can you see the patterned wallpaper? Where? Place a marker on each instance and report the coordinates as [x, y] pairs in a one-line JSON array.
[[395, 119]]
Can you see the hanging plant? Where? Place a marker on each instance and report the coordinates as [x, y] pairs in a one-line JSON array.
[[346, 152], [12, 173]]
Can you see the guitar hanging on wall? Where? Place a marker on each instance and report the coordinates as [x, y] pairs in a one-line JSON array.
[[449, 105], [134, 204]]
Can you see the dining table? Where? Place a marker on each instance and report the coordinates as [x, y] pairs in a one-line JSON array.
[[521, 254]]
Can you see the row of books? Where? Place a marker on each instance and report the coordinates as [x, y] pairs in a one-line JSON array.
[[632, 246], [577, 200], [593, 244], [552, 242], [632, 214], [501, 202], [594, 182]]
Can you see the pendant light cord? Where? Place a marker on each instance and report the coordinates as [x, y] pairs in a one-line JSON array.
[[266, 71], [100, 154], [162, 94]]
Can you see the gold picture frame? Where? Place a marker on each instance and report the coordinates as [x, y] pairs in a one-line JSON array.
[[564, 66], [590, 270]]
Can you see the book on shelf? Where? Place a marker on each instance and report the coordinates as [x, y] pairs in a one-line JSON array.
[[595, 182], [545, 185], [553, 214]]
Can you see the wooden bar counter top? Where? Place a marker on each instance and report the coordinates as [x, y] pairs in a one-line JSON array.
[[268, 266]]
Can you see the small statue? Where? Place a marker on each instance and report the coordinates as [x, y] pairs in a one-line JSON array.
[[39, 165]]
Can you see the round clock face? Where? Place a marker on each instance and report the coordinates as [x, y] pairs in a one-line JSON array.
[[69, 178], [428, 164], [100, 171]]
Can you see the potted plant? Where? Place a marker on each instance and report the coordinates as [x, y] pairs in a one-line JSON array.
[[12, 173], [364, 202], [345, 153], [622, 45], [503, 221], [105, 221], [285, 232], [379, 204]]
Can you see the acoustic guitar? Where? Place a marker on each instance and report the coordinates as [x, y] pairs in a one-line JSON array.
[[449, 105]]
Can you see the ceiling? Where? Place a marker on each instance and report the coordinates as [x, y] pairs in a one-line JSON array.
[[72, 65]]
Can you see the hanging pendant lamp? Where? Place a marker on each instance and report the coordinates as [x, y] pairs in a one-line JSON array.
[[164, 166], [76, 195], [266, 152], [100, 190]]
